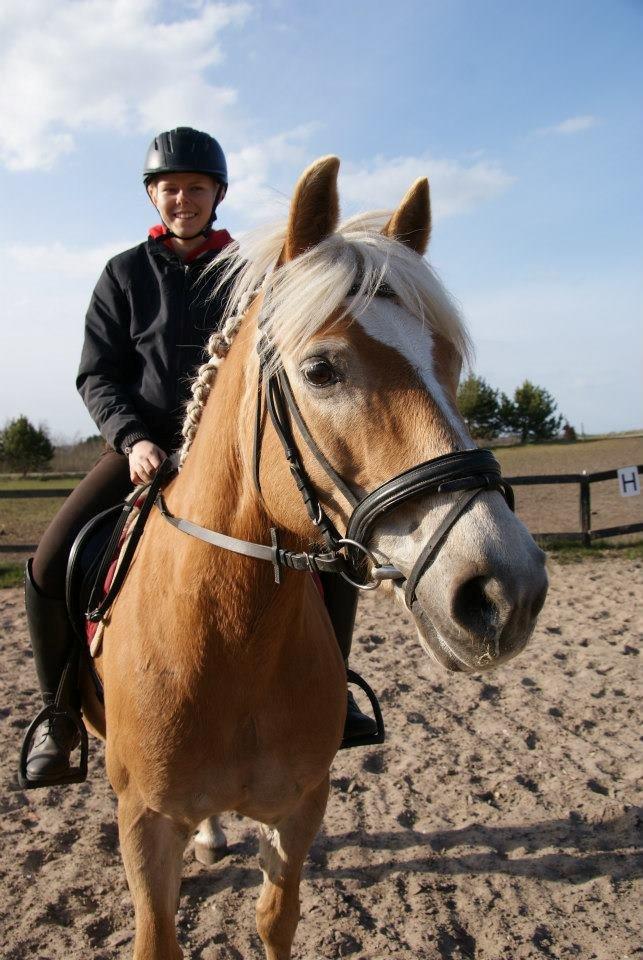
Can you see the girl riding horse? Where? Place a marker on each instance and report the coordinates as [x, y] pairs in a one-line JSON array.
[[152, 312], [225, 690]]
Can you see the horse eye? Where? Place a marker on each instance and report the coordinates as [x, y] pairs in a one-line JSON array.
[[319, 373]]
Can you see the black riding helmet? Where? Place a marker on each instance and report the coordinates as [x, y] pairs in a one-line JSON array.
[[185, 150]]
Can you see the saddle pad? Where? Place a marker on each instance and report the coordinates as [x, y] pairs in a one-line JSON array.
[[94, 631]]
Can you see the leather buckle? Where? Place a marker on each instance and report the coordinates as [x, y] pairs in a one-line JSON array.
[[274, 537]]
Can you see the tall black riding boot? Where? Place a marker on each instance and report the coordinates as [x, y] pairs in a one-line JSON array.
[[50, 744], [341, 602]]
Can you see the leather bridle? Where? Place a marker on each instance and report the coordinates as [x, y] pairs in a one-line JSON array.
[[466, 472]]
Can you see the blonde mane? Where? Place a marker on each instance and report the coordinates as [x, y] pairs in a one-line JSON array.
[[343, 272]]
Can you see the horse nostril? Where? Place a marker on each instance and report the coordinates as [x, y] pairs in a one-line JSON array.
[[477, 605]]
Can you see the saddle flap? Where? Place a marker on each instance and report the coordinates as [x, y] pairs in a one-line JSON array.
[[85, 559]]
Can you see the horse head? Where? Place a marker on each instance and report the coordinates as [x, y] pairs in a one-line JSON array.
[[371, 347]]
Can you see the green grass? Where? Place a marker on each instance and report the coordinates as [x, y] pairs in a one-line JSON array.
[[37, 483], [565, 551], [11, 574]]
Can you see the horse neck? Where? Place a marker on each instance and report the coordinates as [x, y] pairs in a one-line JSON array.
[[212, 486], [216, 490]]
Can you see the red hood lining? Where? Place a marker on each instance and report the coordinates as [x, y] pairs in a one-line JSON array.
[[216, 240]]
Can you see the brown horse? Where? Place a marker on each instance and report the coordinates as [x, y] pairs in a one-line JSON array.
[[225, 691]]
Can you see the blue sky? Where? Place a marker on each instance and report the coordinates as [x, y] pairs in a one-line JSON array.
[[525, 115]]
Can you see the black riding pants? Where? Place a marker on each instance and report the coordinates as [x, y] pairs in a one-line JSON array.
[[106, 484]]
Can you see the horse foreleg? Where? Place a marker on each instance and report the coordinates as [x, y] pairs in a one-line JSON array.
[[210, 842], [283, 848], [152, 848]]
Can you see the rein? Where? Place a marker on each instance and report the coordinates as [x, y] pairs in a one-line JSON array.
[[469, 472]]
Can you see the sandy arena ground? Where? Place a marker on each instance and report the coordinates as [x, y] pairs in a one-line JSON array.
[[498, 820]]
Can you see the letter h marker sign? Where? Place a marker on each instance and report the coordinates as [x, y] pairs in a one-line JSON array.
[[628, 481]]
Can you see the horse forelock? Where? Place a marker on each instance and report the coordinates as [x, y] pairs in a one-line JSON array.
[[342, 274], [339, 276]]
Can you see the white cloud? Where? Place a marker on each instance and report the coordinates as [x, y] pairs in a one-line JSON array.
[[126, 67], [263, 174], [455, 187], [65, 263], [107, 65], [570, 126]]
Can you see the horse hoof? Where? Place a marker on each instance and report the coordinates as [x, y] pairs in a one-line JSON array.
[[209, 855]]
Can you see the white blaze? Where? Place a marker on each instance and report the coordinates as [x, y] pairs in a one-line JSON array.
[[389, 323]]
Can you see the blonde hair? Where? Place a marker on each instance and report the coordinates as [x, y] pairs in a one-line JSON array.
[[342, 272]]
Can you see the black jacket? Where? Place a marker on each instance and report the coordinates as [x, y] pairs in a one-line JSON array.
[[147, 324]]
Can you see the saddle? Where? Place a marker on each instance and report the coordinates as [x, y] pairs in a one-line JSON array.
[[98, 563], [85, 561]]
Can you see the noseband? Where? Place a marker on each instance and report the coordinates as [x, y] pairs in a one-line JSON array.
[[465, 472]]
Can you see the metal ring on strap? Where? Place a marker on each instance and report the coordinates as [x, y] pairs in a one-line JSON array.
[[385, 570]]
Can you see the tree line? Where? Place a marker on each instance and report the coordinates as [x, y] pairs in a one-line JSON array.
[[488, 413], [25, 448], [530, 415]]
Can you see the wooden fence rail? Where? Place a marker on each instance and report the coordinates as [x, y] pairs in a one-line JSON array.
[[584, 480]]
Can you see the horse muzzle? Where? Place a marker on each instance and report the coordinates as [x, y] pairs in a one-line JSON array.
[[474, 620]]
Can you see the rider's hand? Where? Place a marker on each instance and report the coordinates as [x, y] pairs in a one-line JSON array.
[[144, 461]]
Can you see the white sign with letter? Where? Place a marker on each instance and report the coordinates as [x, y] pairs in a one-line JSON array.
[[628, 481]]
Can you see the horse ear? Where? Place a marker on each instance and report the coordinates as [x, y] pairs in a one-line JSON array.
[[411, 222], [314, 210]]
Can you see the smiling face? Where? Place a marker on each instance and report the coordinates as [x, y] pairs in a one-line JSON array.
[[184, 201]]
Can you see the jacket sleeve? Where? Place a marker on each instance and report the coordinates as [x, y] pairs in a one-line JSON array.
[[104, 361]]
